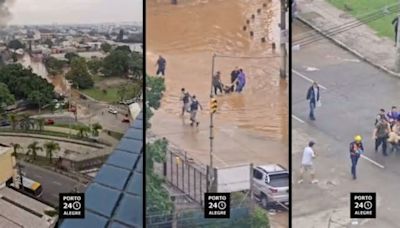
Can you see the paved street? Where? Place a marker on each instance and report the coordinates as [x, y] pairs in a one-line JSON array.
[[52, 183], [352, 95]]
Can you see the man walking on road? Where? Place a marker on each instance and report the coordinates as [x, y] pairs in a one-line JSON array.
[[381, 134], [161, 63], [356, 149], [307, 163], [185, 98], [313, 98], [194, 106]]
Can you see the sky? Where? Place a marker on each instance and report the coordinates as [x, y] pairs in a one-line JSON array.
[[75, 11]]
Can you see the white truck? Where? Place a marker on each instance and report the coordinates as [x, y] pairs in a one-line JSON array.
[[271, 184]]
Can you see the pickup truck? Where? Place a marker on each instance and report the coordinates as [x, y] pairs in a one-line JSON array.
[[271, 184]]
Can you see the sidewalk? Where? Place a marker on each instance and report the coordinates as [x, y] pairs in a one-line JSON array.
[[321, 16]]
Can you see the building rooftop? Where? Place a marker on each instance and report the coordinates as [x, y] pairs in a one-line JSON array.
[[18, 210], [115, 198]]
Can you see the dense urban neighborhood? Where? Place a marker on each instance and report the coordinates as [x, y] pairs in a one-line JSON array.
[[68, 94]]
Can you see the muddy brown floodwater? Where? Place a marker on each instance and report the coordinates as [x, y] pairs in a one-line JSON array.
[[59, 81], [189, 33]]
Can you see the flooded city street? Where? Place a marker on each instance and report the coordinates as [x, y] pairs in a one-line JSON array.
[[188, 34], [249, 127], [59, 81]]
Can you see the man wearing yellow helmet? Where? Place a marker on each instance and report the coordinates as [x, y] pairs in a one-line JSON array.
[[356, 149]]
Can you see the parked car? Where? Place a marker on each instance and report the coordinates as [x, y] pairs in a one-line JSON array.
[[271, 184], [49, 122], [4, 123], [112, 110]]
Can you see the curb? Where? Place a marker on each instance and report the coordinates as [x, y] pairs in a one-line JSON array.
[[54, 138], [344, 46]]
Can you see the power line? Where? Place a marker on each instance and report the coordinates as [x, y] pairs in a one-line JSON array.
[[342, 28]]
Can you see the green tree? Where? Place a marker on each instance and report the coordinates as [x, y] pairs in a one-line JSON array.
[[83, 131], [33, 148], [26, 123], [125, 48], [79, 74], [70, 56], [6, 98], [129, 91], [22, 82], [117, 63], [96, 127], [157, 200], [40, 123], [36, 98], [13, 120], [94, 65], [53, 65], [106, 47], [136, 66], [49, 43], [15, 44], [51, 147]]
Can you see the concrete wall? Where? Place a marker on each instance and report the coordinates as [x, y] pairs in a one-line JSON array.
[[7, 163]]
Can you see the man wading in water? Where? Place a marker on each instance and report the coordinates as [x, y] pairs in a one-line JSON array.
[[194, 106]]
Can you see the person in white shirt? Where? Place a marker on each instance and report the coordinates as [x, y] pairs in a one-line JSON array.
[[307, 163]]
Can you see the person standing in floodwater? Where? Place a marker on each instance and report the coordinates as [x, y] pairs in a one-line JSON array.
[[216, 82], [185, 98], [161, 63], [234, 75], [241, 81], [194, 107]]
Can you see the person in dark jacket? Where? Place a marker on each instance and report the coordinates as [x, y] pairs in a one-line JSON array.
[[161, 63], [356, 149], [234, 75], [313, 97], [194, 107], [395, 24]]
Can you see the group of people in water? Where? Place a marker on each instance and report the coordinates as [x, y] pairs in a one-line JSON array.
[[238, 82], [190, 103]]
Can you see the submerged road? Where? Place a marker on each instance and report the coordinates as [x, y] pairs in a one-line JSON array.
[[352, 92]]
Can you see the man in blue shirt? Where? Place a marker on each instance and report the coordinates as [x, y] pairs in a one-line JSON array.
[[356, 149], [313, 98]]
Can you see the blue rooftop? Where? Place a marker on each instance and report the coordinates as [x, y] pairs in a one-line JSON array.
[[115, 198]]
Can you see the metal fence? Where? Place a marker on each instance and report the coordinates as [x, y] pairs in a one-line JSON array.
[[188, 177], [239, 217]]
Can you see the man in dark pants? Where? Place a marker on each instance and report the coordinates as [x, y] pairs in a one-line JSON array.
[[381, 134], [313, 98], [161, 63], [234, 75], [216, 82], [356, 149], [395, 24]]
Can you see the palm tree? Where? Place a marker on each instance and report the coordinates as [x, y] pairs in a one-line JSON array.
[[40, 123], [33, 148], [83, 130], [14, 120], [26, 122], [51, 147], [96, 127]]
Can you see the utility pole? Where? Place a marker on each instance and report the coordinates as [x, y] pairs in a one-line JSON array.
[[284, 35], [398, 45], [211, 170]]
